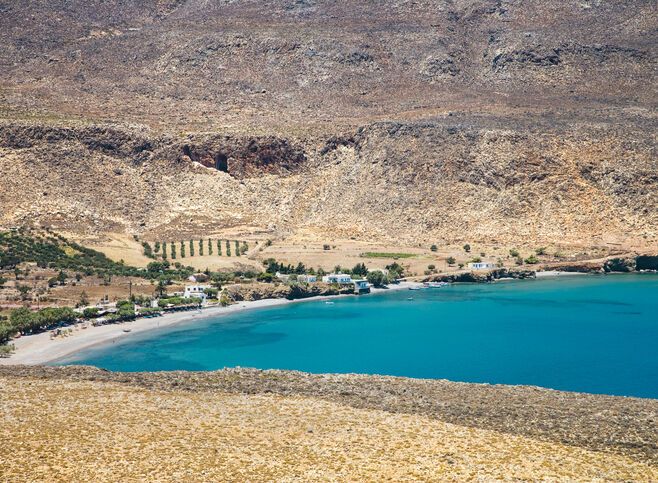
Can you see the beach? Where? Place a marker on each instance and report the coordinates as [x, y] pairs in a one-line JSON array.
[[41, 349]]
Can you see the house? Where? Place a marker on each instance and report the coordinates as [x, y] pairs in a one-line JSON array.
[[195, 291], [307, 278], [481, 265], [361, 286], [340, 278], [282, 276]]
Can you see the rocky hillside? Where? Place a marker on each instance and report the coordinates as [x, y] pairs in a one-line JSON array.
[[490, 120]]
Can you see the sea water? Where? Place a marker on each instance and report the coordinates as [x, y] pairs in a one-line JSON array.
[[596, 334]]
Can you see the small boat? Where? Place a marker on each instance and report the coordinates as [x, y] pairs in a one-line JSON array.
[[127, 329], [410, 298], [436, 284], [415, 288], [328, 302]]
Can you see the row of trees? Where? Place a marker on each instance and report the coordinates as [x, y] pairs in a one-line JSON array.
[[181, 249], [25, 321]]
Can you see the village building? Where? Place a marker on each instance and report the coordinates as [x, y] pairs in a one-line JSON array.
[[361, 286], [307, 278], [481, 265], [340, 278], [195, 291]]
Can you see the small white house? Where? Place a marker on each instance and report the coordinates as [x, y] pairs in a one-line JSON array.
[[361, 286], [481, 265], [284, 277], [337, 278], [195, 291], [307, 278]]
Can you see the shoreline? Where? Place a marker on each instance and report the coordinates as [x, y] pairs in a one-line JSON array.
[[39, 349]]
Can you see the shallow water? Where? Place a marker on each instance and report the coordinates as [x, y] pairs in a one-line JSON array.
[[595, 334]]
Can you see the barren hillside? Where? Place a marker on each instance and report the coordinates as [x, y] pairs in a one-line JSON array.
[[475, 120]]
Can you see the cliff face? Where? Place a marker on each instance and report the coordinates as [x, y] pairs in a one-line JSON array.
[[501, 121]]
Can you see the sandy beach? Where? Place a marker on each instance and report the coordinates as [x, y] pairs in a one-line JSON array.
[[41, 349]]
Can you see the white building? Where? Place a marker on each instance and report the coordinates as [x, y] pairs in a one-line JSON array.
[[361, 286], [481, 265], [196, 291], [284, 277], [307, 278], [337, 278]]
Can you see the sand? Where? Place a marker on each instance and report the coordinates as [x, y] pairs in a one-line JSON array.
[[41, 349]]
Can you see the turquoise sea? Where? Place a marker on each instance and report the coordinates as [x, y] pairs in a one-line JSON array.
[[595, 334]]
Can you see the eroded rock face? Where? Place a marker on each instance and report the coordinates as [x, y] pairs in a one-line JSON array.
[[246, 157]]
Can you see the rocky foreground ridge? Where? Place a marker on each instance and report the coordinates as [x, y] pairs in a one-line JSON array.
[[613, 425]]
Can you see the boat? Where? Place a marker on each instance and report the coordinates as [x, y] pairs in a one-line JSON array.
[[410, 298], [328, 302], [415, 288], [435, 284], [127, 329]]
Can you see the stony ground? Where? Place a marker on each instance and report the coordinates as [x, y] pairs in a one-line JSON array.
[[83, 424]]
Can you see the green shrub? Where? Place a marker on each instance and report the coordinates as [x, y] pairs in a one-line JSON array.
[[531, 260], [434, 248], [451, 260]]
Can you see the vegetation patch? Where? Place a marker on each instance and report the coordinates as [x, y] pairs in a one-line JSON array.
[[393, 255]]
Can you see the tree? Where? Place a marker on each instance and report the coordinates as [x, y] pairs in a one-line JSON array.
[[244, 248], [24, 290], [84, 299], [431, 267], [541, 251], [157, 247], [209, 246], [300, 269], [61, 277], [158, 266], [228, 248], [514, 252], [219, 248], [461, 265], [173, 251], [90, 312], [377, 278], [265, 277], [451, 260], [467, 248], [211, 293], [182, 249], [237, 248], [531, 260], [395, 271], [3, 280], [200, 247], [191, 248], [148, 251], [434, 248], [326, 246], [164, 250], [360, 269], [22, 320], [161, 288]]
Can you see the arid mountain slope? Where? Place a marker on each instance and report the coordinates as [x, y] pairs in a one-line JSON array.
[[414, 121]]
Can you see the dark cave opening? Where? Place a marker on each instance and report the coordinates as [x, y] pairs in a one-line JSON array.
[[221, 163]]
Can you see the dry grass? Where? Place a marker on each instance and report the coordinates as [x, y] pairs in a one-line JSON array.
[[92, 431]]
